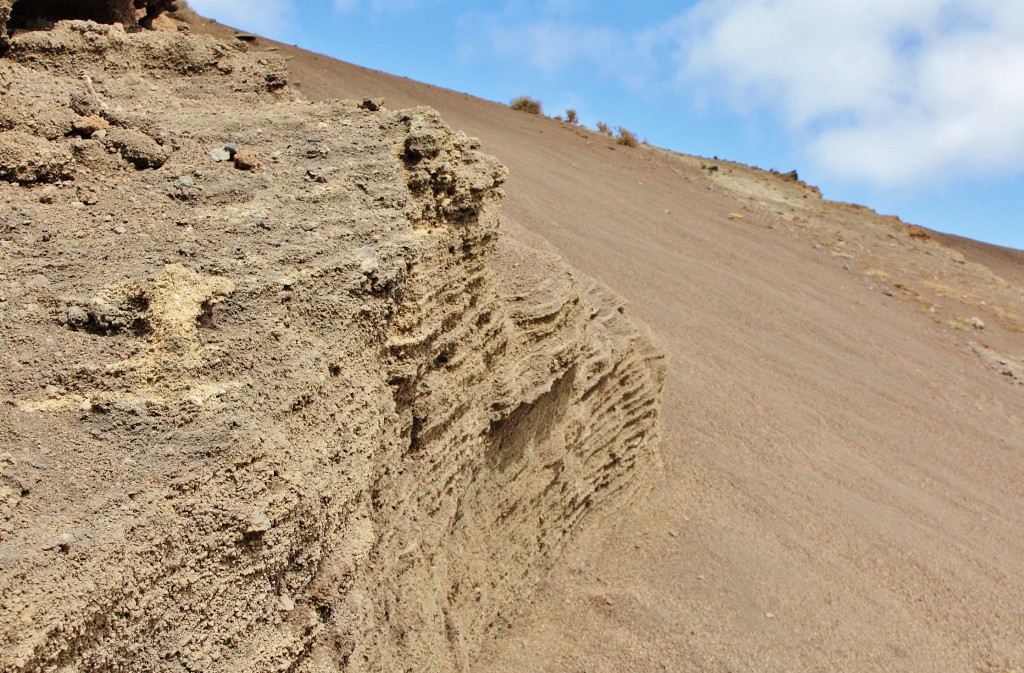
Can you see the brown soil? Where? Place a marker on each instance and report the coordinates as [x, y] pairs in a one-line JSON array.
[[845, 472], [843, 415], [277, 395]]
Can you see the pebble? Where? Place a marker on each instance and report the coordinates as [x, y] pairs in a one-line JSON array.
[[64, 541], [89, 126], [37, 282], [314, 139], [368, 263], [120, 230], [257, 524], [49, 194], [186, 181], [309, 225], [232, 148], [77, 316], [247, 160], [976, 323], [220, 155], [317, 175]]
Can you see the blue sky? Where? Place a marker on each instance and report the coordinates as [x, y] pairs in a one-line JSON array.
[[912, 107]]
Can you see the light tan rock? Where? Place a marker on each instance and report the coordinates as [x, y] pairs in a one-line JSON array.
[[351, 446]]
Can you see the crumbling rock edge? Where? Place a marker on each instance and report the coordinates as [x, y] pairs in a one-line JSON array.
[[317, 414], [37, 14]]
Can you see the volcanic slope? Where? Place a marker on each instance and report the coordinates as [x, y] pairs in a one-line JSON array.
[[291, 405], [843, 420]]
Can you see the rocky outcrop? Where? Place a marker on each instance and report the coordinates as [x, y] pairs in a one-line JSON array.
[[35, 14], [313, 415]]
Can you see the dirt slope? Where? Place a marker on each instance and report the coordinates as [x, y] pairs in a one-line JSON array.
[[844, 416], [277, 393]]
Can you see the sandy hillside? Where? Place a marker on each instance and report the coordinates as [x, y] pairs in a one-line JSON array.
[[277, 392], [844, 415], [301, 384]]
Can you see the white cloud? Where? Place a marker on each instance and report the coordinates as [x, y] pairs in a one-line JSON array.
[[271, 18], [891, 93], [888, 93]]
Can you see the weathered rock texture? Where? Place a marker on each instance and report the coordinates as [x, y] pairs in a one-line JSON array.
[[33, 14], [315, 415]]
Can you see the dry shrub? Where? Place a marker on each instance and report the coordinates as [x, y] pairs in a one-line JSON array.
[[627, 138], [572, 117], [526, 104], [604, 128]]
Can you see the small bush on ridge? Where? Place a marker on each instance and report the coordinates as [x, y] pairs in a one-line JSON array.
[[526, 104], [627, 138]]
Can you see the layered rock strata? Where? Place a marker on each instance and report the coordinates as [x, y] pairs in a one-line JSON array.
[[308, 411]]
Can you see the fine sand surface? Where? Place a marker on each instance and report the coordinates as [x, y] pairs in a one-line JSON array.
[[843, 444]]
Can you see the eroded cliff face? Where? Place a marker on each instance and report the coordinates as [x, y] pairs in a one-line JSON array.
[[278, 396], [36, 14]]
